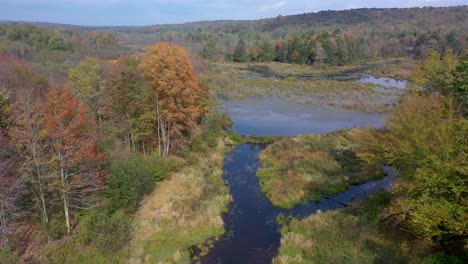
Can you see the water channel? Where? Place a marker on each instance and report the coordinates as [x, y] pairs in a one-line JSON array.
[[252, 233]]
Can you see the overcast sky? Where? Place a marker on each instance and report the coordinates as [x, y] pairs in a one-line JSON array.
[[148, 12]]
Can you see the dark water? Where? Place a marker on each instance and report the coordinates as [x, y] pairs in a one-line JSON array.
[[252, 234], [273, 116]]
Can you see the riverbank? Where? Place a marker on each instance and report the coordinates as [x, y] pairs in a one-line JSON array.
[[350, 235], [306, 167], [327, 88], [183, 211]]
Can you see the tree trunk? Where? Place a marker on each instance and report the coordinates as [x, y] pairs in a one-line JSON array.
[[4, 226], [65, 200], [158, 117]]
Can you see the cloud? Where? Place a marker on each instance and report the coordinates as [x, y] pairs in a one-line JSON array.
[[272, 7]]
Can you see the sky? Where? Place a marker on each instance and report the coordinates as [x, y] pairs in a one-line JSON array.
[[150, 12]]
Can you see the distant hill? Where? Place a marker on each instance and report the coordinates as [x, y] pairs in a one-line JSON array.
[[324, 38], [46, 24], [416, 16], [419, 17]]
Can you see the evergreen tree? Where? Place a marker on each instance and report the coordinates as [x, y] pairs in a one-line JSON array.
[[240, 53]]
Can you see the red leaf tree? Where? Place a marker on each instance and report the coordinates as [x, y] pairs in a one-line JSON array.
[[76, 159]]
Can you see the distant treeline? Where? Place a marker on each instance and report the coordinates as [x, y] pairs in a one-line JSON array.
[[25, 40], [327, 37], [323, 38]]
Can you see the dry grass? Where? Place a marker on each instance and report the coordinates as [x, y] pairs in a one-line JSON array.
[[183, 211], [401, 69], [233, 81], [303, 168], [346, 236]]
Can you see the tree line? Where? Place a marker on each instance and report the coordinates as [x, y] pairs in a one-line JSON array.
[[333, 47]]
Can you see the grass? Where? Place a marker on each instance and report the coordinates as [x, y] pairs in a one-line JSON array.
[[183, 211], [299, 169], [234, 81], [350, 235]]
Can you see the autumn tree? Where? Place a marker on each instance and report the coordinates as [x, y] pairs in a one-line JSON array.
[[425, 139], [11, 189], [11, 186], [28, 136], [8, 66], [435, 73], [75, 158], [267, 52], [85, 79], [173, 93], [124, 102]]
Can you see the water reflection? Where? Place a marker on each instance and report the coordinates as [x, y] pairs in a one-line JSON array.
[[272, 116], [252, 233]]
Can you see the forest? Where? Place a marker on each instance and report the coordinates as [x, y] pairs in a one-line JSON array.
[[114, 143]]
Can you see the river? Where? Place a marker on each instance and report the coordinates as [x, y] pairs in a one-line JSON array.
[[252, 233]]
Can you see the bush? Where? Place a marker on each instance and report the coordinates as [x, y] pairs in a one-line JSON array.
[[108, 233], [236, 138], [6, 256], [210, 134], [442, 259], [70, 252], [56, 228], [129, 180]]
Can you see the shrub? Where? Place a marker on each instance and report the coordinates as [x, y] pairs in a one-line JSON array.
[[236, 138], [6, 256], [70, 252], [441, 259], [129, 180], [108, 233], [56, 228]]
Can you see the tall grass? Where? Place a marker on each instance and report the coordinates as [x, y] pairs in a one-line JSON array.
[[348, 235], [238, 81], [184, 210], [304, 168]]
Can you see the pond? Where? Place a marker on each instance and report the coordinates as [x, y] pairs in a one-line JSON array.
[[272, 116]]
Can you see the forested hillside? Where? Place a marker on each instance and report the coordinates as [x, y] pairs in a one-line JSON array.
[[326, 37]]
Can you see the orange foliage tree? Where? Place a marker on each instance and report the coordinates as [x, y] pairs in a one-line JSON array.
[[173, 92], [75, 159]]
